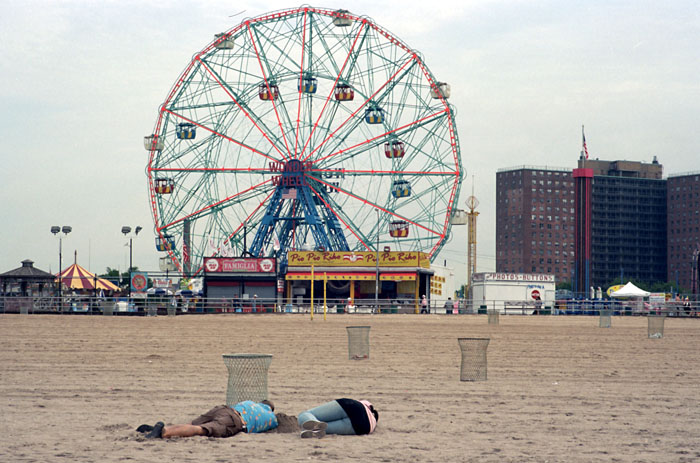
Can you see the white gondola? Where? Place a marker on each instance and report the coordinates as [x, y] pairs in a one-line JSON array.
[[152, 142], [223, 42], [341, 19], [440, 89], [459, 217]]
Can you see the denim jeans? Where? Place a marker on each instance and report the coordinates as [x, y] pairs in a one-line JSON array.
[[333, 414]]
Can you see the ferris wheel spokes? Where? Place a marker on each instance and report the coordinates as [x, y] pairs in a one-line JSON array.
[[382, 136], [229, 237], [354, 113], [377, 207], [267, 84], [214, 206], [249, 218], [221, 135], [332, 90], [226, 89], [300, 84]]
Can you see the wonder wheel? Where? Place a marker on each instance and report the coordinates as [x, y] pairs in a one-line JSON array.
[[303, 129]]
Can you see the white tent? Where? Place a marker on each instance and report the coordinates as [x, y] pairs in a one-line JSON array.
[[629, 290]]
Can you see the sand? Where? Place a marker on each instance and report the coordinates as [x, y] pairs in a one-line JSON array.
[[74, 388]]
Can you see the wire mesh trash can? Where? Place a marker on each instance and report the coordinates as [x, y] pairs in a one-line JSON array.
[[655, 326], [247, 377], [473, 366], [107, 308], [172, 311], [152, 311], [605, 318], [358, 342], [493, 316]]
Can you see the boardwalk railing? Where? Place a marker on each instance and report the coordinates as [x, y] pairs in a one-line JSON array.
[[197, 305]]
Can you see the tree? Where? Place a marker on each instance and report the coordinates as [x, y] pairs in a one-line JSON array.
[[113, 275], [666, 287]]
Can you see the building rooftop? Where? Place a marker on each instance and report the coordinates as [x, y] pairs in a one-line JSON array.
[[524, 167], [27, 272]]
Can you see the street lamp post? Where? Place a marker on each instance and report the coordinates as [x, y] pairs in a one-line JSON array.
[[376, 280], [245, 234], [55, 230], [126, 230]]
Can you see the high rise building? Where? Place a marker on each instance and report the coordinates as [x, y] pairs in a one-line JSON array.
[[621, 224], [535, 221], [683, 230], [604, 222]]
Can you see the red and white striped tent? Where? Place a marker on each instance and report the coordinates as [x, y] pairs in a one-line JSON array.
[[76, 277]]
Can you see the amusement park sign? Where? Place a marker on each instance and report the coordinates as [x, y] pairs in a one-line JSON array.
[[239, 265], [513, 277], [358, 259]]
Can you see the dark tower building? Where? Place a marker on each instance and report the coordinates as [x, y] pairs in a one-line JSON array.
[[627, 238], [608, 223], [683, 229], [535, 221]]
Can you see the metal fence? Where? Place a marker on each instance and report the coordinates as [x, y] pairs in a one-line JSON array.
[[170, 305]]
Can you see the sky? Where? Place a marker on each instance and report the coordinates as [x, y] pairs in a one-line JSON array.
[[81, 83]]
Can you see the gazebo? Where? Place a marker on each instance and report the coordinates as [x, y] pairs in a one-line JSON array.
[[26, 281]]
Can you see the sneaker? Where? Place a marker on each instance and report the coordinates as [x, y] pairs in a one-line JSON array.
[[308, 433], [144, 428], [157, 431], [314, 425]]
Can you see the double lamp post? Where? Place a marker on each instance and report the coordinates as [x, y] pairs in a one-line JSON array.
[[56, 230], [127, 230]]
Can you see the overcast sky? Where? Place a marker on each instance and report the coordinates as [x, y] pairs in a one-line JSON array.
[[82, 82]]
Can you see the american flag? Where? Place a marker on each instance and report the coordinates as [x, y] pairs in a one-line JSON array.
[[290, 193], [585, 148]]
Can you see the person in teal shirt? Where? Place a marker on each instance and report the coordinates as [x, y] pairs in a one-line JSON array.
[[220, 421], [257, 417]]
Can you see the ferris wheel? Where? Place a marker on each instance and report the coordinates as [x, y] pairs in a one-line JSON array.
[[303, 129]]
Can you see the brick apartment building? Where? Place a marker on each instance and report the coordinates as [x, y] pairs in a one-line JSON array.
[[683, 229], [535, 221], [621, 218]]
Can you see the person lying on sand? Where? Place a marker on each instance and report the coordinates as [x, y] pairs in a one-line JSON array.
[[340, 416], [220, 421]]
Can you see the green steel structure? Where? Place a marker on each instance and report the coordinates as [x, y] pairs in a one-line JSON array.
[[303, 129]]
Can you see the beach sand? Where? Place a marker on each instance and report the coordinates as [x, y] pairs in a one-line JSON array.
[[559, 389]]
